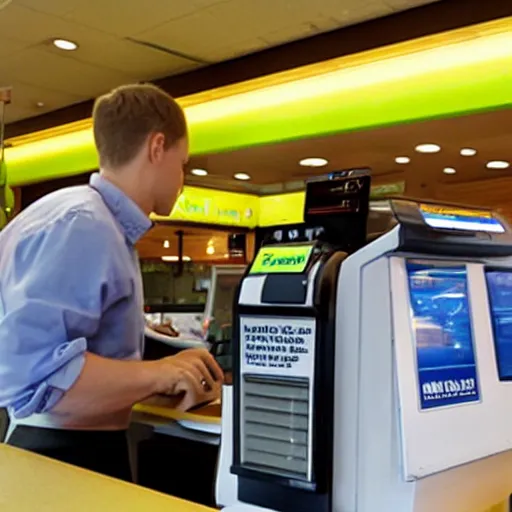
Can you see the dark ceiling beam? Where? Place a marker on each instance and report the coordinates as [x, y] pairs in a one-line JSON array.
[[422, 21]]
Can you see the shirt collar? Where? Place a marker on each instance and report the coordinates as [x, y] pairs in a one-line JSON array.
[[132, 219]]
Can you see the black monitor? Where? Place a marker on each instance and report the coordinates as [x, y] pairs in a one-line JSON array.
[[433, 228], [339, 203]]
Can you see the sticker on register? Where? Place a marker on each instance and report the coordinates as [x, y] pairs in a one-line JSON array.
[[443, 217], [282, 260], [278, 346], [445, 356]]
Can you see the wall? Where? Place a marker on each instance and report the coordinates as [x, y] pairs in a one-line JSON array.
[[495, 193], [163, 286]]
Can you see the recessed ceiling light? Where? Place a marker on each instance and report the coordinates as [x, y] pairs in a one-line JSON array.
[[65, 44], [449, 170], [175, 258], [39, 104], [402, 159], [468, 152], [199, 172], [210, 250], [242, 176], [498, 164], [428, 148], [313, 162], [166, 244]]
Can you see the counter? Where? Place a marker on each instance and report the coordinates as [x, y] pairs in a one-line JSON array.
[[208, 415], [160, 432], [29, 482]]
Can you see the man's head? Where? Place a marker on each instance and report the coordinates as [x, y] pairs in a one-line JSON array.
[[142, 129]]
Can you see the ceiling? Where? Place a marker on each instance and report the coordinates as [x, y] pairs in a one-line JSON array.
[[135, 40], [272, 165]]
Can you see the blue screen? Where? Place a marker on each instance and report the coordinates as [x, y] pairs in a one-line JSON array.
[[446, 217], [442, 328], [499, 284], [463, 223]]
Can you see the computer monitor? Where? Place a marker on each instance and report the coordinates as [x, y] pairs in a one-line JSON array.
[[499, 286], [441, 321]]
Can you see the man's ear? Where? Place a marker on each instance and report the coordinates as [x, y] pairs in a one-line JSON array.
[[156, 147]]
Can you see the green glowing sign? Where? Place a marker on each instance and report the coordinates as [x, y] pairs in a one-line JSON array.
[[281, 259]]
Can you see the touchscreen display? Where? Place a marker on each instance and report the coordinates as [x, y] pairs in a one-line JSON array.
[[443, 335], [285, 259], [442, 217], [499, 285]]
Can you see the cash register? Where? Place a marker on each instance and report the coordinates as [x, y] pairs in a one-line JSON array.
[[373, 367]]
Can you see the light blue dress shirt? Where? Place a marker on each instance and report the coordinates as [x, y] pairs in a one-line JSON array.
[[69, 283]]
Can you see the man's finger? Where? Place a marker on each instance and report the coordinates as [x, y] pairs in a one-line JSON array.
[[207, 380], [211, 363]]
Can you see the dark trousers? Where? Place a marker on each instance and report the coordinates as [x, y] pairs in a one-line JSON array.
[[104, 452]]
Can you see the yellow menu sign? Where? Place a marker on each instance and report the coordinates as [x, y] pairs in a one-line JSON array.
[[216, 207], [281, 259]]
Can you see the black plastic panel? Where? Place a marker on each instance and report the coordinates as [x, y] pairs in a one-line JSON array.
[[417, 236], [275, 491], [285, 289], [278, 497]]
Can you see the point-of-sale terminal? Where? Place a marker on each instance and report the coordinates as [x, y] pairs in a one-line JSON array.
[[372, 367]]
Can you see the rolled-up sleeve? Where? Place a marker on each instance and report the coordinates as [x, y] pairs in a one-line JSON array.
[[54, 287]]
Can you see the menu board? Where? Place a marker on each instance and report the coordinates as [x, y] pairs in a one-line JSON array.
[[443, 217], [499, 285], [441, 319]]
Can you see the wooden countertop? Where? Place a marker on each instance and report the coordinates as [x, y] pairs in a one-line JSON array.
[[210, 413], [30, 483]]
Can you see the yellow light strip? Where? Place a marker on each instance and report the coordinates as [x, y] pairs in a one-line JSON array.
[[386, 52], [440, 51], [449, 57]]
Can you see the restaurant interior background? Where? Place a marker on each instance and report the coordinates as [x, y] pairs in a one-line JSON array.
[[428, 113]]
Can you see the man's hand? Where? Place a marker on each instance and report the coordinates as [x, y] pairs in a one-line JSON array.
[[192, 374], [107, 386]]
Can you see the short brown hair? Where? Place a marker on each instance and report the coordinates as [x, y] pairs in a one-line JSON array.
[[125, 117]]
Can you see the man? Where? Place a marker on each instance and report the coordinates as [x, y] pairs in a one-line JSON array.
[[71, 300]]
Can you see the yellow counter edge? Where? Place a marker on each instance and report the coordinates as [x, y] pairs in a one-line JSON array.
[[30, 482], [174, 414]]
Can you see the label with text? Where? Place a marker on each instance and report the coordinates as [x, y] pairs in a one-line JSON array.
[[445, 355], [278, 346]]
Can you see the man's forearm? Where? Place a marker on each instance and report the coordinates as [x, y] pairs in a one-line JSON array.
[[107, 386]]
